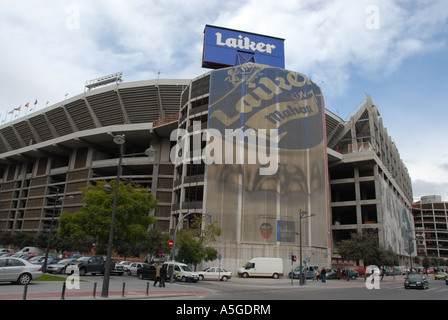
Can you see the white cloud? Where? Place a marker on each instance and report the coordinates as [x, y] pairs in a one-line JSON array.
[[327, 40], [425, 188], [44, 55]]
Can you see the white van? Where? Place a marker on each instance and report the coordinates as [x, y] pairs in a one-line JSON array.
[[262, 267], [182, 272]]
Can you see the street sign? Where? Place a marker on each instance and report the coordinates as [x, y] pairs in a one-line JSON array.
[[170, 243]]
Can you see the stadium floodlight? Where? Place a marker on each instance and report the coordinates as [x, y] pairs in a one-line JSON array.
[[101, 81]]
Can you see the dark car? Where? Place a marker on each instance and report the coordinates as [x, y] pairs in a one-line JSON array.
[[147, 272], [416, 280], [446, 281]]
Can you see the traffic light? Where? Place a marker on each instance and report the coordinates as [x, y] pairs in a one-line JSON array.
[[293, 258]]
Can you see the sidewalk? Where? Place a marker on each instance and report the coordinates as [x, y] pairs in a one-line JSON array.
[[153, 292], [175, 290]]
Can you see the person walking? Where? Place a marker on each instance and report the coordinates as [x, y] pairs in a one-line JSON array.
[[323, 275], [159, 267], [163, 273]]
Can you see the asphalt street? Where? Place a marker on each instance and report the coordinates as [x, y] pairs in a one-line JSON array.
[[236, 289]]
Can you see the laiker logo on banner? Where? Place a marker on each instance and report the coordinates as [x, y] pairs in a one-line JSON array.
[[244, 44], [261, 97], [225, 47]]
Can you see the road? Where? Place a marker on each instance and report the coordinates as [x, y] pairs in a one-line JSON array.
[[236, 289], [269, 289]]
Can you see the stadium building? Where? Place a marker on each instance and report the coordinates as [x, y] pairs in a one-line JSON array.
[[250, 145]]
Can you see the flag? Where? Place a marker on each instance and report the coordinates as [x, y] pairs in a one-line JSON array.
[[27, 105], [17, 109], [35, 102]]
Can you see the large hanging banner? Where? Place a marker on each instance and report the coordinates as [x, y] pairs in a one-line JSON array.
[[266, 156]]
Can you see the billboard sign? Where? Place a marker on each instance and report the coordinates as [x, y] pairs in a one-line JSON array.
[[227, 47], [255, 111]]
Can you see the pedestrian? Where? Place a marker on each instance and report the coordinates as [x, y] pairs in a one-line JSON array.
[[159, 267], [163, 273], [316, 274], [323, 275], [338, 273], [347, 274]]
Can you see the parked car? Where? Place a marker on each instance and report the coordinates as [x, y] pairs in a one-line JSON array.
[[215, 273], [18, 270], [353, 274], [416, 280], [182, 272], [309, 272], [148, 271], [262, 267], [126, 265], [32, 250], [440, 276], [332, 274], [133, 267], [93, 265], [116, 268], [40, 260], [6, 250], [24, 256], [59, 267]]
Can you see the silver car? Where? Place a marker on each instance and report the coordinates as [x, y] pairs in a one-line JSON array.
[[18, 270]]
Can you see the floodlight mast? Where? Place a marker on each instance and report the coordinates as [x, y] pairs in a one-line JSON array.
[[101, 81]]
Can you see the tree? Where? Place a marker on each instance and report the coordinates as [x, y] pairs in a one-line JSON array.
[[361, 246], [195, 244], [390, 258], [426, 263], [132, 217]]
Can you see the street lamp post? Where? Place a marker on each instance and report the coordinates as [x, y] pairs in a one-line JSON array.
[[302, 214], [120, 140]]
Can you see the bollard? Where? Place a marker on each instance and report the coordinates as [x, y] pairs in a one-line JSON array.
[[25, 290], [122, 291], [94, 289], [147, 288], [63, 291]]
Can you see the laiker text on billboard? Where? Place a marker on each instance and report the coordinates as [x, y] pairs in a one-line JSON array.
[[244, 43], [227, 47]]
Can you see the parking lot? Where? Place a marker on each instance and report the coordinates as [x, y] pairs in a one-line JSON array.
[[131, 287]]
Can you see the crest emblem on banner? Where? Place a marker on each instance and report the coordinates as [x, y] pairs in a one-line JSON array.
[[266, 230]]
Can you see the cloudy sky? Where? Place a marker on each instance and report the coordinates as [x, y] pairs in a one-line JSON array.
[[397, 51]]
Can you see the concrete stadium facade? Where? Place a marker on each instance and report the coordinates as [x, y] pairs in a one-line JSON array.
[[362, 184]]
